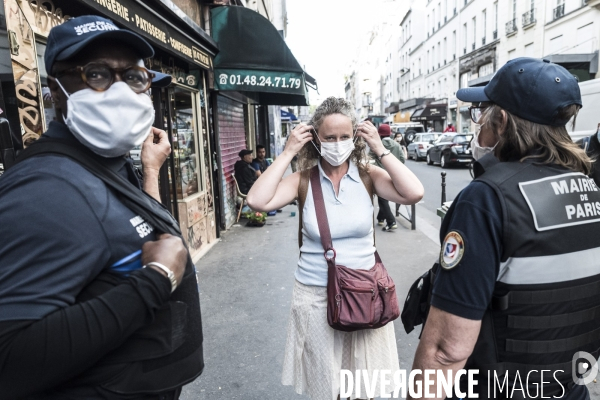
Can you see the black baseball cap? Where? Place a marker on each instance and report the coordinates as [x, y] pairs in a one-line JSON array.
[[244, 152], [67, 39], [530, 88]]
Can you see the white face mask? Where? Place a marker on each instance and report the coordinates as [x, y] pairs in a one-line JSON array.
[[112, 122], [335, 153], [479, 151]]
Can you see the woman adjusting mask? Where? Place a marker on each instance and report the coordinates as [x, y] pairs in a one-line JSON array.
[[335, 152]]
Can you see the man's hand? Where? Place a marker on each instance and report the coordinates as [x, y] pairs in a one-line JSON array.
[[169, 251], [155, 150]]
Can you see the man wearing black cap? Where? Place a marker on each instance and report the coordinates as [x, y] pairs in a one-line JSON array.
[[96, 301], [245, 174], [517, 287]]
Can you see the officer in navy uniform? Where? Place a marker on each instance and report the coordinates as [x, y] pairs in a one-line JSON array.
[[518, 291], [95, 301]]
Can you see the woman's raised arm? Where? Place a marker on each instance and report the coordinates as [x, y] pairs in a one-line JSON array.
[[270, 192]]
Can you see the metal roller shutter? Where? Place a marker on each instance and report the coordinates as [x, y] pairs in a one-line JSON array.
[[232, 133]]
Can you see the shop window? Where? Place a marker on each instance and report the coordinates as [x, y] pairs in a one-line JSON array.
[[185, 146]]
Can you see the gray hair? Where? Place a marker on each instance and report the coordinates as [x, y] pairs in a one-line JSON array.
[[308, 155]]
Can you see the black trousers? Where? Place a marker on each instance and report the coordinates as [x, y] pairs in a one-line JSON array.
[[385, 212]]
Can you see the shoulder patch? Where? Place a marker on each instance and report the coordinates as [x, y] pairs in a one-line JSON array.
[[452, 251]]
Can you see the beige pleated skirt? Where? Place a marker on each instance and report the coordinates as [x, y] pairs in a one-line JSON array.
[[315, 353]]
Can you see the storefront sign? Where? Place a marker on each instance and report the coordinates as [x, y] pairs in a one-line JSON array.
[[140, 20], [256, 80]]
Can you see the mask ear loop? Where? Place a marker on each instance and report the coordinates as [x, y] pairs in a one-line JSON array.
[[313, 142], [61, 86]]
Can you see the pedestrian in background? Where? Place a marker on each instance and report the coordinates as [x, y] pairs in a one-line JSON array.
[[260, 163], [315, 353], [450, 128], [96, 303], [400, 139], [385, 214], [517, 288]]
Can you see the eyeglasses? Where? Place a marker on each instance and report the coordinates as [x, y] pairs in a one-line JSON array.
[[476, 113], [100, 77]]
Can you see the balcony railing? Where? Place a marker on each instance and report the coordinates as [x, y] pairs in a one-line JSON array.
[[558, 12], [529, 18], [483, 41], [511, 27], [495, 35]]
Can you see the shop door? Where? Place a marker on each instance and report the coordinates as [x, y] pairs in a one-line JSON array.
[[232, 135]]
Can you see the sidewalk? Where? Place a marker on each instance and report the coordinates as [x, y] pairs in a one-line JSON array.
[[246, 285]]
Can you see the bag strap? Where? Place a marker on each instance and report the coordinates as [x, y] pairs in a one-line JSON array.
[[302, 192], [136, 200], [321, 212]]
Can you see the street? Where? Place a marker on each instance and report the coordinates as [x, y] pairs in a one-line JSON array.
[[246, 285], [246, 288]]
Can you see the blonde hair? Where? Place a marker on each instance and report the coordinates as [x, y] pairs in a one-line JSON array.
[[308, 155], [522, 139]]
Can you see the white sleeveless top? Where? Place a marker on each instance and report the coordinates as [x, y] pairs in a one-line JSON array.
[[350, 216]]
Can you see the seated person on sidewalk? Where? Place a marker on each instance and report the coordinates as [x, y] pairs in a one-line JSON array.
[[245, 174], [260, 163], [385, 213]]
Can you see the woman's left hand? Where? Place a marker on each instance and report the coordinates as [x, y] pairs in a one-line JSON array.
[[368, 132]]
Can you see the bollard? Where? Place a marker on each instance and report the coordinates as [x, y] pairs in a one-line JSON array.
[[443, 187]]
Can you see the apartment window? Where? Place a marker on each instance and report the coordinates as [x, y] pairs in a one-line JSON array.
[[439, 14], [529, 50], [495, 21], [474, 32], [465, 37], [585, 38], [514, 9], [556, 44], [484, 25], [464, 80], [445, 50], [486, 69], [453, 49]]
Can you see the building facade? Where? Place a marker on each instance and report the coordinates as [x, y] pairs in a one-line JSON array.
[[444, 45]]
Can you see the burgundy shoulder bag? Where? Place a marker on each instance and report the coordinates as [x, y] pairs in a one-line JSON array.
[[356, 298]]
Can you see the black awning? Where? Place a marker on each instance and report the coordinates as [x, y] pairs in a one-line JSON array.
[[430, 113], [255, 60]]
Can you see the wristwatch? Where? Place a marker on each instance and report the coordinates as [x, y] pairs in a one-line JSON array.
[[385, 153], [169, 273]]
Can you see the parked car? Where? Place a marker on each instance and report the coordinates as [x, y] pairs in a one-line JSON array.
[[407, 129], [451, 149], [417, 149]]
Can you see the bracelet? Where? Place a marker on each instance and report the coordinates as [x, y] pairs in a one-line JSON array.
[[169, 273], [385, 153]]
